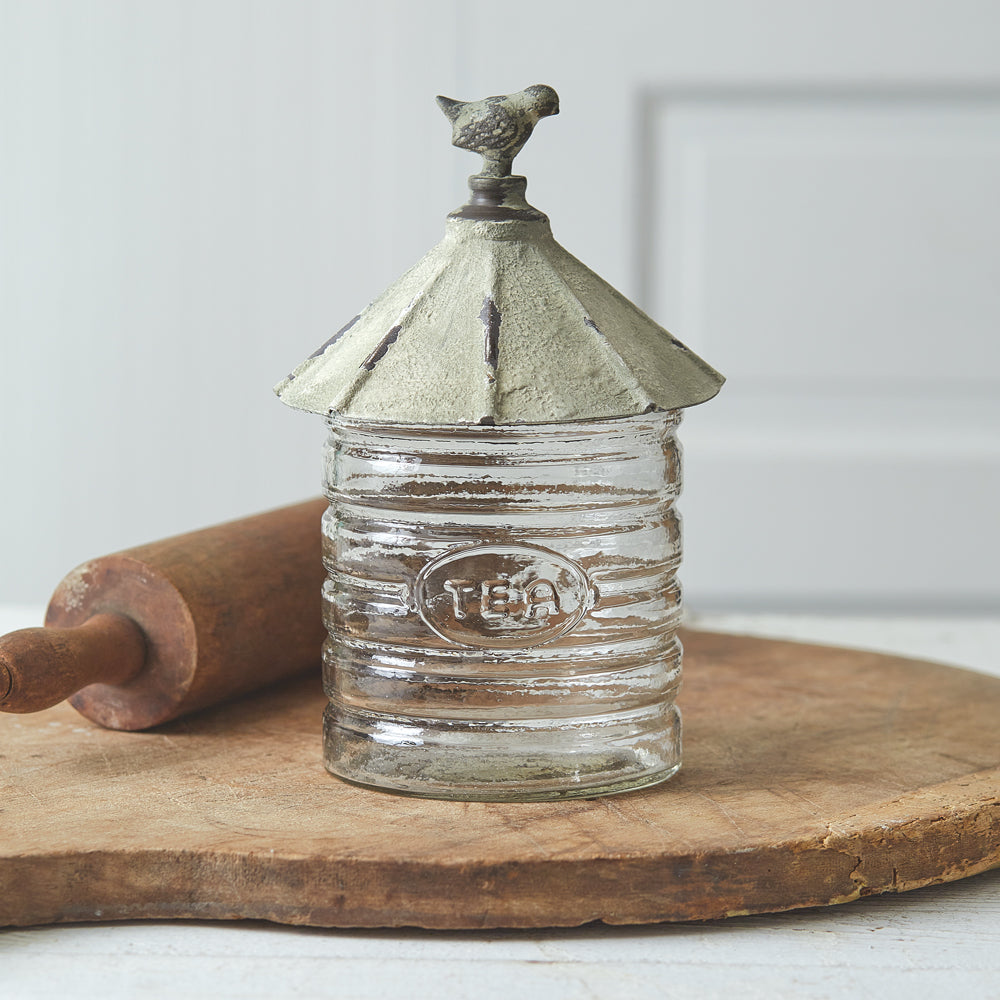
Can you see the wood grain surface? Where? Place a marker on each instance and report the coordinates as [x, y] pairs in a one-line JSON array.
[[812, 775]]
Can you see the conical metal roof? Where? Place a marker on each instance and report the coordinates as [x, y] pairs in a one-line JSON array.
[[498, 324]]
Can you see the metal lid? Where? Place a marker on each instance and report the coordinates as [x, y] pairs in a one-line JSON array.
[[498, 324]]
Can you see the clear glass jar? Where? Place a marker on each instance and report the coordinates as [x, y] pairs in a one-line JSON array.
[[502, 607]]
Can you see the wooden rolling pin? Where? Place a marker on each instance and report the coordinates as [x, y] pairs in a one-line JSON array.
[[143, 636]]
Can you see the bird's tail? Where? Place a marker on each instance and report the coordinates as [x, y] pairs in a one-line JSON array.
[[450, 107]]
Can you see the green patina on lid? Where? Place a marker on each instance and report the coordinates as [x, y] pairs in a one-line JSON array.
[[498, 324]]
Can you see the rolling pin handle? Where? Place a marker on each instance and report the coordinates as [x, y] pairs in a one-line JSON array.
[[40, 667]]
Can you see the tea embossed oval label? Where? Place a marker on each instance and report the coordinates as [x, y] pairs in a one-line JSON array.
[[502, 596]]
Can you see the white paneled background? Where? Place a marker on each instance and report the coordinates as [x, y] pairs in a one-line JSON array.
[[195, 193]]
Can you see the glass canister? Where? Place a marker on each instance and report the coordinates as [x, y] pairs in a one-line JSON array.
[[502, 541], [502, 607]]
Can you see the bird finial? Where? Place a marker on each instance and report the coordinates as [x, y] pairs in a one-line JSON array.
[[498, 127]]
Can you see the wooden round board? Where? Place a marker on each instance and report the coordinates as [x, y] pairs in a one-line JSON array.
[[812, 775]]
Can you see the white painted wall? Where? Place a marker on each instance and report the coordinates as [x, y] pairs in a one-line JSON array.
[[195, 193]]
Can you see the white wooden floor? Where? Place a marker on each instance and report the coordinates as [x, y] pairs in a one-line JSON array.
[[943, 941]]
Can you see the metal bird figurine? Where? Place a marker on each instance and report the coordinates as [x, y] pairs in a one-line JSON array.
[[498, 127]]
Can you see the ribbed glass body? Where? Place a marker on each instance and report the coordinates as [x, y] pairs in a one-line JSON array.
[[502, 607]]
